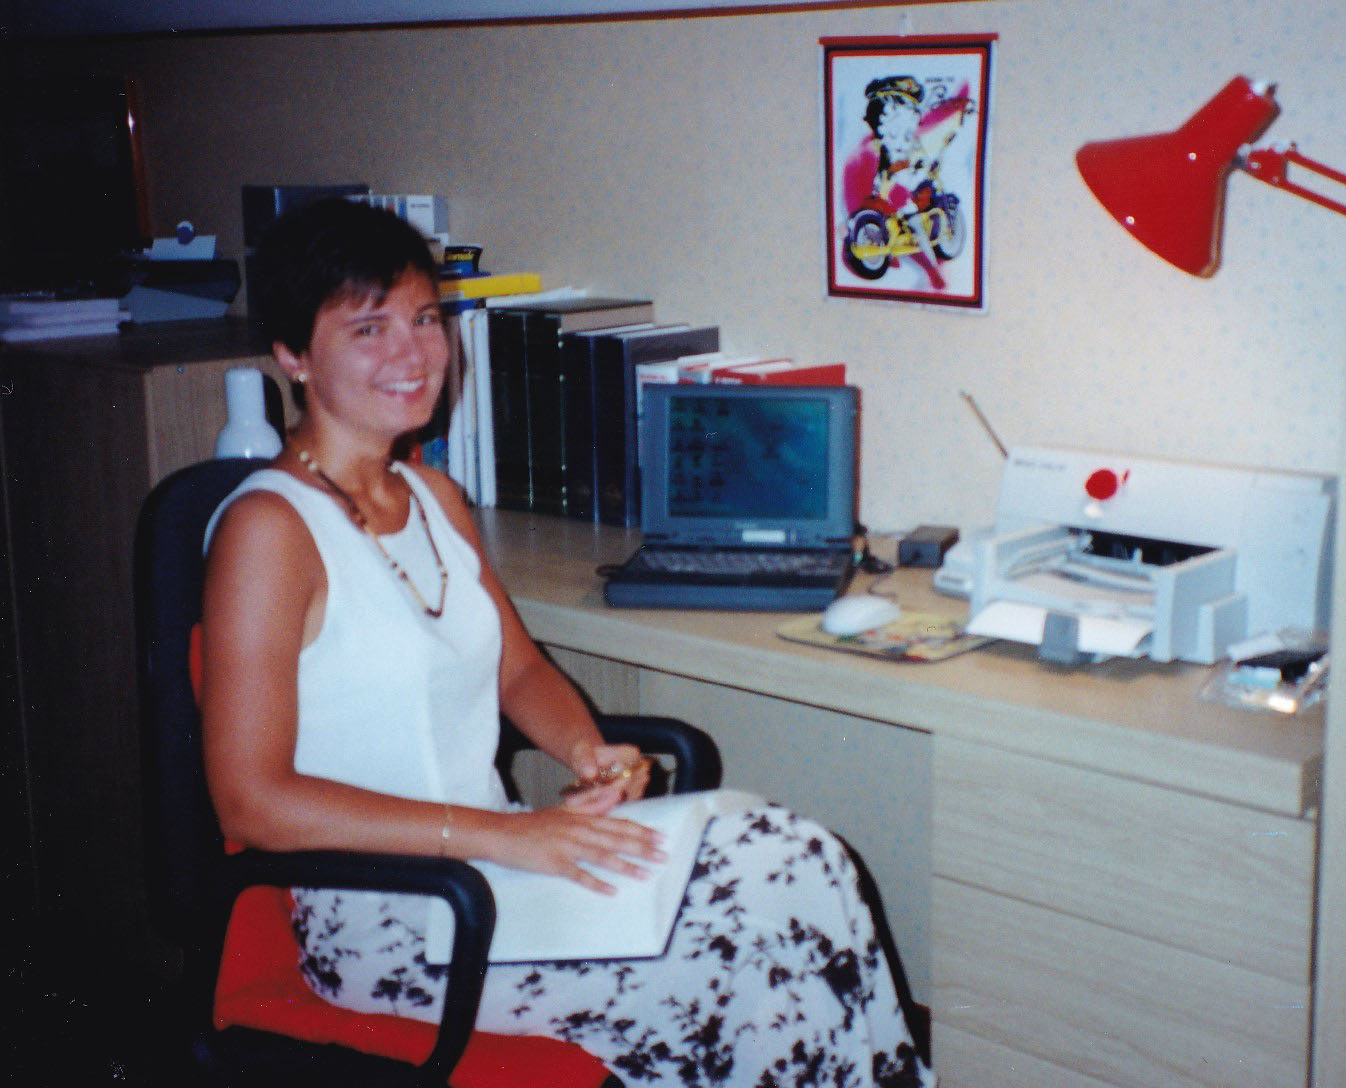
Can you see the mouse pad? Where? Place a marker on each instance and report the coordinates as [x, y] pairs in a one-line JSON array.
[[913, 636]]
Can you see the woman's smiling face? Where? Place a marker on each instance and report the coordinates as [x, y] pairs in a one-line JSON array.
[[376, 363]]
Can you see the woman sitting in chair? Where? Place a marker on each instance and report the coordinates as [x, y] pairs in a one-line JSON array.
[[357, 652]]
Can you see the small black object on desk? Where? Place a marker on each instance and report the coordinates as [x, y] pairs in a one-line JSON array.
[[925, 545]]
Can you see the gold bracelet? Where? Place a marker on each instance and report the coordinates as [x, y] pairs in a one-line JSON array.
[[445, 834]]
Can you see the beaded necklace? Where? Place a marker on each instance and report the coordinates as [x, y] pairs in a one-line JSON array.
[[362, 522]]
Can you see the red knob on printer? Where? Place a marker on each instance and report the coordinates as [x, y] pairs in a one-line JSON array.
[[1102, 484]]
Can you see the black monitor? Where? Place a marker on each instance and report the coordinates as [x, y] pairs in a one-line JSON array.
[[756, 464]]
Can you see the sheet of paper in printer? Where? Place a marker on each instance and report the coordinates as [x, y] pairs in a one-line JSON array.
[[1104, 628]]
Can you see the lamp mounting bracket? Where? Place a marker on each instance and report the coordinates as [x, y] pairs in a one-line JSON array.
[[1270, 164]]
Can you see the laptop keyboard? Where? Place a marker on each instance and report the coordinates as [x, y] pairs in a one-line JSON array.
[[736, 562]]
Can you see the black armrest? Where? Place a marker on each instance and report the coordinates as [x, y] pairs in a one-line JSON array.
[[461, 886], [696, 759]]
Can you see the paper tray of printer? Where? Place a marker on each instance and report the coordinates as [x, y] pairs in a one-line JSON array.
[[1092, 635], [1077, 594]]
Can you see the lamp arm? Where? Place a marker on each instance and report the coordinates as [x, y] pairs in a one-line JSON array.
[[1269, 164]]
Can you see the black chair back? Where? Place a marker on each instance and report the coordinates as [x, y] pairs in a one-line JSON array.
[[183, 837]]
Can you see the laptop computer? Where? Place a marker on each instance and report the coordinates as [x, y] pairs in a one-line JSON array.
[[747, 498]]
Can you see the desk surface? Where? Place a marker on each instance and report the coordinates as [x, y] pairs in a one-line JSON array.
[[1134, 718]]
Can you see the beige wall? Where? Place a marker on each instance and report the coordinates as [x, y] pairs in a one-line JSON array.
[[681, 159]]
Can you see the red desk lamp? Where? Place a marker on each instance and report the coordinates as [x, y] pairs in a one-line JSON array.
[[1168, 189]]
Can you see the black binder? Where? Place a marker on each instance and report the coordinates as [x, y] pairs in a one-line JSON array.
[[616, 439], [528, 395]]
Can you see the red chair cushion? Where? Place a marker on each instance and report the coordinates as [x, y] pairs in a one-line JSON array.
[[259, 986]]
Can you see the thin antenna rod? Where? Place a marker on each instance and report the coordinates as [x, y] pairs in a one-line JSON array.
[[986, 424]]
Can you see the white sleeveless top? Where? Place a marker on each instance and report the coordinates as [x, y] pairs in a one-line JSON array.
[[389, 698]]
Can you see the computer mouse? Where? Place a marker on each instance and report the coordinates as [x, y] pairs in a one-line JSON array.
[[859, 612]]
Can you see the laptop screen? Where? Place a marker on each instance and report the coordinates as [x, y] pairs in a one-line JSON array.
[[758, 465]]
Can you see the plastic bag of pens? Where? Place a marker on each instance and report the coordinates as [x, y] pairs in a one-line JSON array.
[[1285, 672]]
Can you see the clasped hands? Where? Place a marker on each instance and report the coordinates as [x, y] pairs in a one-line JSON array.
[[614, 773]]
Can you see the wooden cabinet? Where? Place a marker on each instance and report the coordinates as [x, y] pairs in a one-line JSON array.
[[87, 427], [1119, 932]]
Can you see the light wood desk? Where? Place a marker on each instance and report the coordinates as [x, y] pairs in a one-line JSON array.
[[1094, 876]]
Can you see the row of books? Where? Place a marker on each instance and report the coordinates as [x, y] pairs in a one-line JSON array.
[[28, 317], [465, 447], [548, 414]]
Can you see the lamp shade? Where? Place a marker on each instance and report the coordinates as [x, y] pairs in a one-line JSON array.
[[1167, 189]]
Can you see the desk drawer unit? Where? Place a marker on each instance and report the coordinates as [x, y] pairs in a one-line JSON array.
[[1094, 930]]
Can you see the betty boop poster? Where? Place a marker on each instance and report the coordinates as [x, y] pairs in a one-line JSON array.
[[906, 137]]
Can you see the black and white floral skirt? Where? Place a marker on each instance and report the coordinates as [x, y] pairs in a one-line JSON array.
[[773, 976]]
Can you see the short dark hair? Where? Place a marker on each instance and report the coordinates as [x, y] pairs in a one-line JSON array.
[[879, 92], [324, 251]]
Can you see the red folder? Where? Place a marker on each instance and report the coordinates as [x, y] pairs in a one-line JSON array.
[[782, 372]]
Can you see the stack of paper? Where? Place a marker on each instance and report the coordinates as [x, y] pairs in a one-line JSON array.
[[39, 317]]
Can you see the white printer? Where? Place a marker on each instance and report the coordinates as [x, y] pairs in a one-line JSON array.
[[1096, 555]]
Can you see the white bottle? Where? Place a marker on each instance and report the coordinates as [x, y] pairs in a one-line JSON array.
[[247, 433]]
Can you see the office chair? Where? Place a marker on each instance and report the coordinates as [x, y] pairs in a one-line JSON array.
[[249, 1018]]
